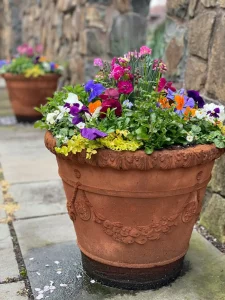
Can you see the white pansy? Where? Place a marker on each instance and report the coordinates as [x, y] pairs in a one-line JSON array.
[[46, 66], [204, 113], [73, 99], [62, 110], [190, 138], [200, 114], [88, 116], [51, 117], [95, 114], [81, 125]]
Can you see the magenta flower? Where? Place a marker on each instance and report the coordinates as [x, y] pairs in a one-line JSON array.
[[117, 72], [113, 62], [98, 62], [92, 133], [125, 87], [165, 85], [109, 94], [111, 103], [145, 50]]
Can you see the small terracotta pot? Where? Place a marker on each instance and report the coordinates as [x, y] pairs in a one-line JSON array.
[[134, 213], [27, 93]]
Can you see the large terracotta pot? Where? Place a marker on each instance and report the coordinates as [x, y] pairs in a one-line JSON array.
[[27, 93], [134, 213]]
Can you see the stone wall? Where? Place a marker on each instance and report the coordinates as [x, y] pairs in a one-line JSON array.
[[195, 36], [10, 27], [76, 31]]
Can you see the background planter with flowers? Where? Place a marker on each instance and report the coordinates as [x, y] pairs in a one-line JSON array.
[[135, 156], [30, 79]]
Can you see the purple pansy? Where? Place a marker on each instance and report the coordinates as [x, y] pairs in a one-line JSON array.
[[197, 98], [75, 109], [94, 89], [92, 133], [77, 119], [214, 113]]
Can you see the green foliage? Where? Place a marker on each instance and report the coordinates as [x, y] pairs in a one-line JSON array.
[[20, 65]]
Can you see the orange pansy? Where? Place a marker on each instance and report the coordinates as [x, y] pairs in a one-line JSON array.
[[164, 102], [92, 106], [189, 112], [43, 59], [179, 101]]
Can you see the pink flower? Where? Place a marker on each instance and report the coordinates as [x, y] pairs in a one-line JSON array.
[[145, 50], [125, 87], [111, 103], [30, 51], [158, 64], [98, 62], [131, 54], [22, 49], [25, 50], [39, 49], [109, 94], [117, 72]]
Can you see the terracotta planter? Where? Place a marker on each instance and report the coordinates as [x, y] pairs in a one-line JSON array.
[[27, 93], [134, 213]]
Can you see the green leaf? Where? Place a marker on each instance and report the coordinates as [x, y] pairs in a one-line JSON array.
[[149, 150]]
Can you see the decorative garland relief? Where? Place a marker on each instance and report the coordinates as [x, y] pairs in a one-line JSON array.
[[126, 234]]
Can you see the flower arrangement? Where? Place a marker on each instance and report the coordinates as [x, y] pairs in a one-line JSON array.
[[129, 106], [29, 62]]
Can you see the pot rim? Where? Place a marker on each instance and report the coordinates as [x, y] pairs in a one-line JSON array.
[[138, 160], [10, 76]]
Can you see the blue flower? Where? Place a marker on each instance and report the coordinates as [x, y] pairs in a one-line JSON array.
[[128, 104], [94, 89], [52, 66], [3, 63], [92, 133]]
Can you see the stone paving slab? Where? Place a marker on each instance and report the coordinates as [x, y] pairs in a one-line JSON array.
[[24, 157], [44, 231], [203, 278], [9, 291], [8, 263], [39, 198]]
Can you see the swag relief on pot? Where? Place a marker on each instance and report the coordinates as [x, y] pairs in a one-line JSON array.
[[135, 155]]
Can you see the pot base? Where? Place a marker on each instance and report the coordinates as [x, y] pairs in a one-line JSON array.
[[27, 119], [132, 278]]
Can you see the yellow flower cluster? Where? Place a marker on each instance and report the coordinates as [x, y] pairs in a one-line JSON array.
[[221, 127], [117, 141], [34, 72]]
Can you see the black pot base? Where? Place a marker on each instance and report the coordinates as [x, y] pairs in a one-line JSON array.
[[27, 119], [132, 278]]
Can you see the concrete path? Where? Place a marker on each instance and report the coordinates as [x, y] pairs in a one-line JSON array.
[[38, 249]]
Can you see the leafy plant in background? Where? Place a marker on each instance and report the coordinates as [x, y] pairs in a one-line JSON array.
[[29, 62], [129, 106]]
